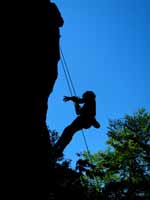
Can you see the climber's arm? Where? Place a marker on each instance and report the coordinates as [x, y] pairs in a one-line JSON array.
[[74, 99]]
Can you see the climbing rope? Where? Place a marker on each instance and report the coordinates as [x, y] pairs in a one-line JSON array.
[[67, 74], [73, 92]]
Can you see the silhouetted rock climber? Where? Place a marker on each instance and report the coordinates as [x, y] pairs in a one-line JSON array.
[[86, 119], [55, 21]]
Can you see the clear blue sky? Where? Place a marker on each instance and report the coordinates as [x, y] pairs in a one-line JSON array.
[[106, 44]]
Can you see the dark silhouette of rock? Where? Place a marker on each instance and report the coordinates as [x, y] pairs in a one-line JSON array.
[[55, 21], [29, 75]]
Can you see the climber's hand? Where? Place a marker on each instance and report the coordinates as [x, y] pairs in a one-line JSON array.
[[73, 98], [67, 98]]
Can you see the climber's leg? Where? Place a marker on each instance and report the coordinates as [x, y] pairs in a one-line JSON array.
[[67, 135]]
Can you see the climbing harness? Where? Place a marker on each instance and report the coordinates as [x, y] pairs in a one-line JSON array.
[[73, 93]]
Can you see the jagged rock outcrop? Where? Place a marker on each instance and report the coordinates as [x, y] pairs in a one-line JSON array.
[[28, 82]]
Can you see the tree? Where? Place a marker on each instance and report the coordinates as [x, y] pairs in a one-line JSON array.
[[63, 182], [123, 170]]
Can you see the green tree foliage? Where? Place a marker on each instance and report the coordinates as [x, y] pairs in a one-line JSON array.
[[123, 170], [63, 182]]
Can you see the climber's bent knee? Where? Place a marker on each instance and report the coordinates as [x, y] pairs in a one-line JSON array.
[[96, 124]]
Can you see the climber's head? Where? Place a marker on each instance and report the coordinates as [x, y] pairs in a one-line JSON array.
[[88, 96]]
